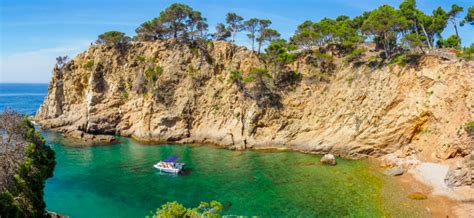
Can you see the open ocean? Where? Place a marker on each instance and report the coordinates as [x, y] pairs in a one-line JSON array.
[[23, 98]]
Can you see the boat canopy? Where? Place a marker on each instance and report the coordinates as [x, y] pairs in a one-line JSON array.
[[171, 159]]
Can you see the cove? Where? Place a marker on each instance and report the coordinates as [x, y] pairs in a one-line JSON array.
[[118, 180]]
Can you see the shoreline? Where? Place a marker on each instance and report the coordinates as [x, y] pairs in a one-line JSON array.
[[432, 175], [428, 178], [419, 176]]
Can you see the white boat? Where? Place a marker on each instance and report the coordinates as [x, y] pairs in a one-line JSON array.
[[169, 165]]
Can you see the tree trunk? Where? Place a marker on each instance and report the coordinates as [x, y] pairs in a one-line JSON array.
[[428, 40], [455, 28], [253, 43]]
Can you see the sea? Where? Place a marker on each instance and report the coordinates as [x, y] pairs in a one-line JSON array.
[[118, 180], [23, 98]]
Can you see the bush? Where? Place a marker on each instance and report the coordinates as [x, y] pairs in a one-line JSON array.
[[35, 163], [260, 73], [141, 58], [153, 73], [88, 65], [125, 95], [355, 55], [467, 53], [236, 76], [177, 210], [399, 60], [469, 127], [451, 42]]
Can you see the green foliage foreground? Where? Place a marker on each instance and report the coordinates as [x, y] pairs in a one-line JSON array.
[[175, 209], [25, 198]]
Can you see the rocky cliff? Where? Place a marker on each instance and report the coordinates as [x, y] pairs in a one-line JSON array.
[[165, 91]]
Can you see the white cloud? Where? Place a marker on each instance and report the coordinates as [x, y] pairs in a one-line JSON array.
[[36, 66]]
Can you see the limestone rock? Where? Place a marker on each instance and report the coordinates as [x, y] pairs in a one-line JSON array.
[[77, 134], [420, 107], [396, 171], [328, 159], [458, 175]]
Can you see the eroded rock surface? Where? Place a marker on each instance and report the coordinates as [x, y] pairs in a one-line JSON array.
[[165, 91]]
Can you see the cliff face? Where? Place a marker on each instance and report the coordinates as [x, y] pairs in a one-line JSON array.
[[166, 91]]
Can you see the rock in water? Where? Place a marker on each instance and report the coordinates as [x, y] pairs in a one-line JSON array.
[[328, 159], [396, 171]]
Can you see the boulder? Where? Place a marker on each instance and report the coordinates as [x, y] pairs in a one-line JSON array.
[[328, 159], [396, 171], [458, 175]]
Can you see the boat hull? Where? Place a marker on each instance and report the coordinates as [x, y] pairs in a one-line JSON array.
[[169, 170]]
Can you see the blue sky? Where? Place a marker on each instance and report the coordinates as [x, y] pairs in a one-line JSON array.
[[34, 32]]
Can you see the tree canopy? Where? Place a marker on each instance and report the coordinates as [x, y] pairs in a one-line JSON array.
[[113, 38], [469, 18], [176, 21], [392, 30]]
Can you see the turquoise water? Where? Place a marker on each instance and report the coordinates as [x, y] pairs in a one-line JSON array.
[[119, 181]]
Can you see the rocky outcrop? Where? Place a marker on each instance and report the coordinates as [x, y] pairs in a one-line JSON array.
[[165, 91], [396, 171], [459, 174], [328, 159]]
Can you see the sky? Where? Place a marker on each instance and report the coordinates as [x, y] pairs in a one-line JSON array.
[[34, 32]]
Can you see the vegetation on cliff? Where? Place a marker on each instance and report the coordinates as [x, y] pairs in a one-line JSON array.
[[393, 31], [26, 163], [171, 82], [177, 210]]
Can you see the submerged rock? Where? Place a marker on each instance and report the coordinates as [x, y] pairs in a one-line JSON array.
[[396, 171], [328, 159]]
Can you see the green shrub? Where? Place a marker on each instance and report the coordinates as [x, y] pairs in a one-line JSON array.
[[88, 65], [236, 76], [451, 42], [125, 95], [260, 73], [152, 73], [177, 210], [25, 199], [469, 127], [141, 58], [400, 60], [355, 55], [192, 70], [467, 53]]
